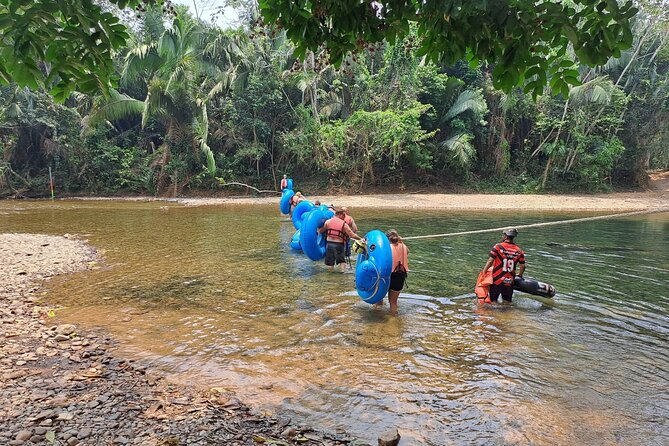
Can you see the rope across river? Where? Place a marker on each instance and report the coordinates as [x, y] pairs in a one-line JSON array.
[[538, 225]]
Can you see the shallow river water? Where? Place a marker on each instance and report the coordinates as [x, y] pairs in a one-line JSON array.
[[214, 294]]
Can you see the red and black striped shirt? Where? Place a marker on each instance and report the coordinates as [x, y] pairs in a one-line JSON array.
[[506, 256]]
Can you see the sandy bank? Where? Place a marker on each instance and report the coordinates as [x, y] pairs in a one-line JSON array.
[[60, 384], [623, 202]]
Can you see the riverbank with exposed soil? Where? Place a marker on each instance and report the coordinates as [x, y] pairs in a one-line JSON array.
[[63, 385], [657, 197]]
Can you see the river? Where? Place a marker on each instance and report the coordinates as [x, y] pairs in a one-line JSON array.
[[214, 295]]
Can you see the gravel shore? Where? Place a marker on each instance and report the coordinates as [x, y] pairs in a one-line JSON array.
[[60, 385]]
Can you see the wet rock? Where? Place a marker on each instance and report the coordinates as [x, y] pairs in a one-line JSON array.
[[289, 433], [390, 438], [65, 329], [23, 436], [72, 441], [40, 430]]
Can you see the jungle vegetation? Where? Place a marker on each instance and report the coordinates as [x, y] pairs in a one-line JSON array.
[[178, 105]]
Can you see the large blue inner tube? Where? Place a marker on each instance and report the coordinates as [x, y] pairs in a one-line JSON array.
[[284, 204], [313, 243], [290, 183], [300, 211], [373, 268], [295, 241]]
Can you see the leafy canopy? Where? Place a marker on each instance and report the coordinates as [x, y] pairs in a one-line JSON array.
[[527, 41], [61, 45]]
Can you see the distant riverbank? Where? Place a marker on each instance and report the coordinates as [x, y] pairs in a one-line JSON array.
[[616, 202]]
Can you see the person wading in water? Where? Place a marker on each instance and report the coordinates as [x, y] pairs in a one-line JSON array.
[[284, 182], [351, 223], [400, 269], [504, 257], [337, 232]]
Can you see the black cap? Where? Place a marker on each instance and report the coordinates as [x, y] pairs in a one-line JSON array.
[[511, 232]]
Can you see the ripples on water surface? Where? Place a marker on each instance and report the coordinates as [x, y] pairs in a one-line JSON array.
[[215, 294]]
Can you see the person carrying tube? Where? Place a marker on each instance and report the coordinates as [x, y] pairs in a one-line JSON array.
[[351, 223], [284, 182], [296, 199], [337, 233], [400, 269], [503, 258]]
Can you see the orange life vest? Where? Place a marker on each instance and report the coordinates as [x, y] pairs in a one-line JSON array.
[[506, 256], [335, 230], [400, 257], [482, 288]]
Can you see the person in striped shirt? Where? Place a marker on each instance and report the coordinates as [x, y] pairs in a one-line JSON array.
[[503, 258]]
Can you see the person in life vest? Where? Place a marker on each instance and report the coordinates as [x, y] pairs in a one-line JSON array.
[[351, 223], [504, 257], [337, 233], [284, 182], [400, 269]]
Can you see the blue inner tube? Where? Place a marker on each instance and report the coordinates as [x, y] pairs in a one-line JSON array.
[[313, 243], [284, 204], [295, 241], [373, 268], [300, 211], [290, 183]]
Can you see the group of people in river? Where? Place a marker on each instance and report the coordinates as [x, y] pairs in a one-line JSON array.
[[499, 269]]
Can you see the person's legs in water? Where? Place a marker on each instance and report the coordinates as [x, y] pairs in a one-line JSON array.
[[392, 299], [507, 294], [330, 256], [397, 280]]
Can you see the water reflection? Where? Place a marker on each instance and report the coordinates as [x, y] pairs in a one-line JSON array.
[[217, 294]]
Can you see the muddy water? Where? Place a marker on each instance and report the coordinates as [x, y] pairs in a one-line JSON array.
[[214, 294]]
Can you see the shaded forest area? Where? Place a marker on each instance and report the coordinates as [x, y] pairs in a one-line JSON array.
[[197, 106]]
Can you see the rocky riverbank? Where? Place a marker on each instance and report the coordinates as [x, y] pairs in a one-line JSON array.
[[60, 385]]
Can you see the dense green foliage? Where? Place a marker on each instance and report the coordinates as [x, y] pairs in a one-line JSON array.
[[526, 41], [196, 106]]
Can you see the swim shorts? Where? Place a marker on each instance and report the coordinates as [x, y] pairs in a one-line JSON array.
[[334, 254], [397, 280], [505, 291]]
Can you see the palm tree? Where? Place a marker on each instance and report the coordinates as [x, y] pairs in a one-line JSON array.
[[457, 144], [189, 65]]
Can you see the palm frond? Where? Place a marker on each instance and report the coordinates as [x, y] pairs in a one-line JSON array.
[[117, 106], [467, 100], [460, 148], [596, 91], [201, 132]]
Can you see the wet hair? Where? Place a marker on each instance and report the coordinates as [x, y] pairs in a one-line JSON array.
[[392, 235], [317, 203], [339, 211]]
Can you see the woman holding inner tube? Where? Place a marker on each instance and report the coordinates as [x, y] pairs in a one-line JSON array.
[[337, 233], [400, 268]]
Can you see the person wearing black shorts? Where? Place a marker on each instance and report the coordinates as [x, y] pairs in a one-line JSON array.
[[400, 268], [335, 253], [502, 261], [337, 233]]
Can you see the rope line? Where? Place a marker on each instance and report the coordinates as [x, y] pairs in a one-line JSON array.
[[537, 225]]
